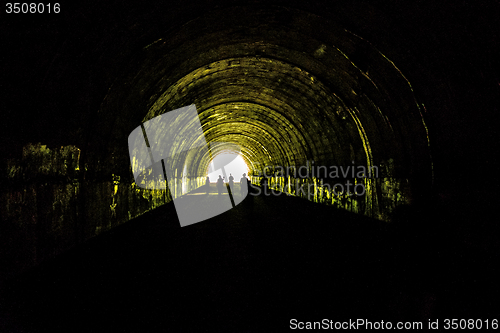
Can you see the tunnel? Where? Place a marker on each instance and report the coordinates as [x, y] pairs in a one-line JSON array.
[[399, 95]]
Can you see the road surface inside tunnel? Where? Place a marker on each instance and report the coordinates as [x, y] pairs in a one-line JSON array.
[[253, 268]]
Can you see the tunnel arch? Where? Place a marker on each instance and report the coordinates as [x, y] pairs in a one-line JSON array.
[[300, 93]]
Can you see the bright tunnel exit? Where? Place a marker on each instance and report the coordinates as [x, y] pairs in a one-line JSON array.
[[233, 163]]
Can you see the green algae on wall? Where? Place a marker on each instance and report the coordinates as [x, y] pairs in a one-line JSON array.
[[48, 207]]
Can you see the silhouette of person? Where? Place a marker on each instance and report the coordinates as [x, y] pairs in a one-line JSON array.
[[220, 185], [244, 185], [207, 184], [231, 183]]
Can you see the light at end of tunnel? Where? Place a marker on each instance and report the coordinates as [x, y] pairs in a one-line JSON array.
[[236, 167]]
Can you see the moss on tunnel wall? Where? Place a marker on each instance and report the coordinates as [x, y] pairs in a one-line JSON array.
[[48, 207], [373, 197]]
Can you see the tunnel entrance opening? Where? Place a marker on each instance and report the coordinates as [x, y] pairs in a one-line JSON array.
[[233, 163], [184, 180]]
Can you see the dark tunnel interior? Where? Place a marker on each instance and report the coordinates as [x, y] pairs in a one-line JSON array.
[[409, 90]]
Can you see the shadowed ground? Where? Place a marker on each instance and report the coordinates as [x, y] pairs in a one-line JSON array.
[[198, 204], [253, 268]]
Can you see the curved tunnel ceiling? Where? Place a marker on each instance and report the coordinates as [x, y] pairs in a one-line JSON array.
[[285, 90]]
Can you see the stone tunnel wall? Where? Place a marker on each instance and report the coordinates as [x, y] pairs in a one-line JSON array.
[[47, 207], [375, 197]]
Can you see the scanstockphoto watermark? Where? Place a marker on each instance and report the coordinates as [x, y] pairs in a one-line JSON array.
[[350, 179]]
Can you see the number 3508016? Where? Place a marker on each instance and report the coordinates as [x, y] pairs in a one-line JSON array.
[[32, 8]]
